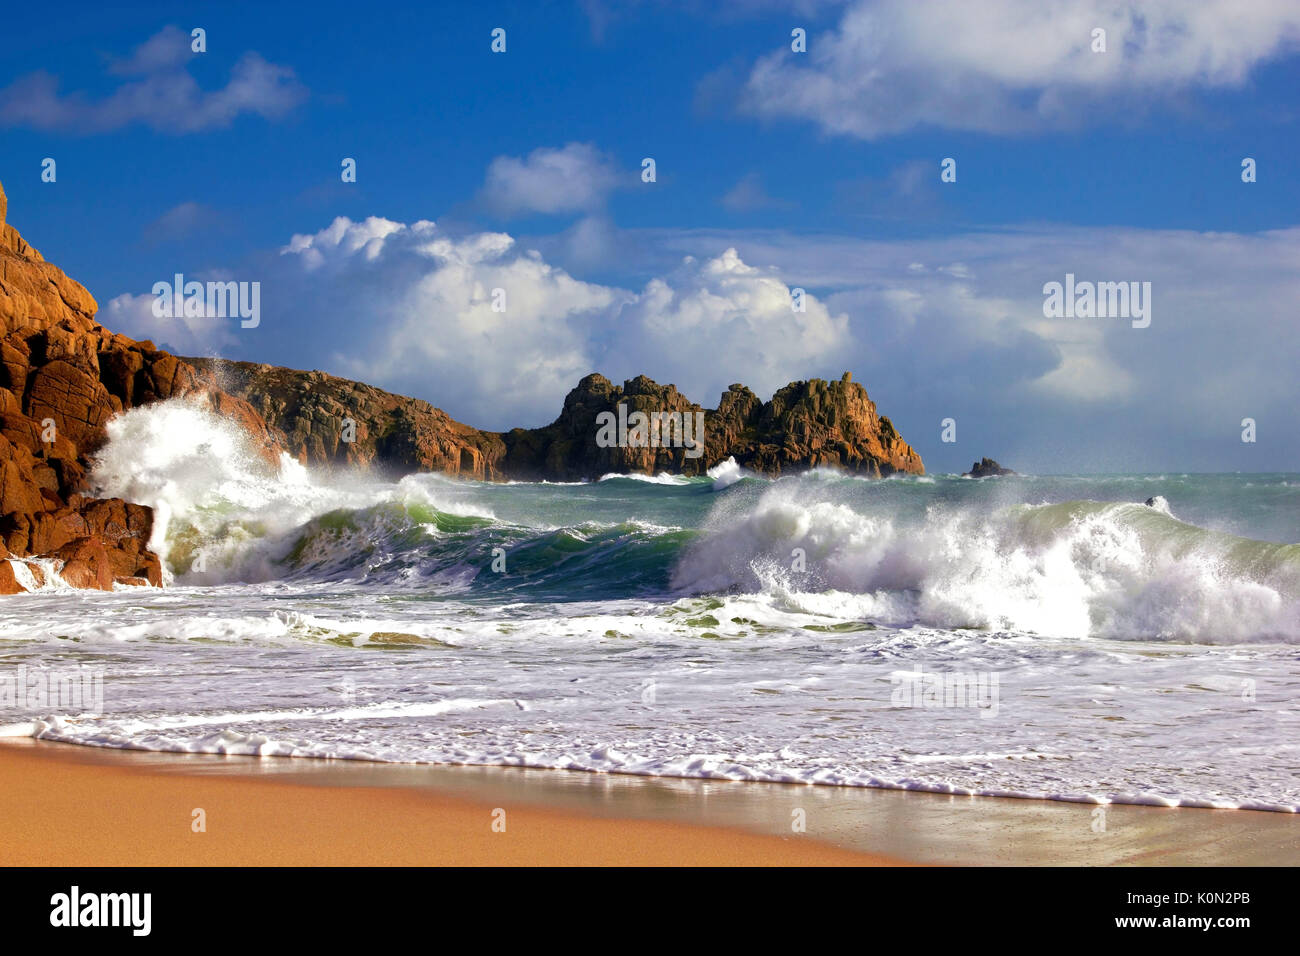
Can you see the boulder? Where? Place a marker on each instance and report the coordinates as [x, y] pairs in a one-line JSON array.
[[86, 564], [8, 582]]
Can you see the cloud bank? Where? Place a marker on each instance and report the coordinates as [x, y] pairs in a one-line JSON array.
[[501, 335], [1013, 66]]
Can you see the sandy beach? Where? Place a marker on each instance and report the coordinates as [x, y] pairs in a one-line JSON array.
[[59, 807], [63, 805]]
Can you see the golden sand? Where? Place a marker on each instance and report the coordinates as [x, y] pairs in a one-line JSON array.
[[59, 809]]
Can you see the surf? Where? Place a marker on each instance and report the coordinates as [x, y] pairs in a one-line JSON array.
[[941, 553], [1076, 568]]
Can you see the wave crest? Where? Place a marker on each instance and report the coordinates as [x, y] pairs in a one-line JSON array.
[[1075, 569]]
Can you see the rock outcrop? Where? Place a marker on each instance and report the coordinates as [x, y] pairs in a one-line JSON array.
[[324, 420], [568, 450], [987, 468], [811, 424], [806, 424], [62, 377]]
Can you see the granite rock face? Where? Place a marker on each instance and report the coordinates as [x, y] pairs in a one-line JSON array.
[[806, 424], [569, 449], [63, 376], [812, 424], [324, 420]]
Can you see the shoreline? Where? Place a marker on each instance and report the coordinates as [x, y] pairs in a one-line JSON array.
[[64, 804], [59, 808]]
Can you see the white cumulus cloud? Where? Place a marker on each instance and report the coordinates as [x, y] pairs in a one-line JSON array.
[[424, 317], [133, 315], [716, 321], [1014, 65], [410, 308], [573, 178]]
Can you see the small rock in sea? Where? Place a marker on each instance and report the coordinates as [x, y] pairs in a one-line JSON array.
[[987, 468]]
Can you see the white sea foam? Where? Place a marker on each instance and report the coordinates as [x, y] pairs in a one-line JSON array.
[[725, 474], [221, 512], [1161, 504], [786, 765], [663, 478], [1121, 571]]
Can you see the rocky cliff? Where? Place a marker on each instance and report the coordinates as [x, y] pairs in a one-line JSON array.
[[62, 377], [322, 419], [806, 424]]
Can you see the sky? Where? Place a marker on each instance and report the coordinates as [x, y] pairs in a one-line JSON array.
[[775, 170]]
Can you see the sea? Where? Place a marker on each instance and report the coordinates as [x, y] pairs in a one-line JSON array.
[[1089, 638]]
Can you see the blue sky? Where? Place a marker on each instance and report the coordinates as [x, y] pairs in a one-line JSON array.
[[820, 170]]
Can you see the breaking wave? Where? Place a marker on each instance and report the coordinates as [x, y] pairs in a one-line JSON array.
[[1070, 569]]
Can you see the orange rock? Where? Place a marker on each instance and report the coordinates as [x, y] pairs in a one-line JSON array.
[[86, 564], [150, 568], [8, 582], [76, 402], [60, 368]]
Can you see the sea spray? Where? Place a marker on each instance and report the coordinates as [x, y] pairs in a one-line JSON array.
[[221, 512], [1072, 569], [924, 554], [725, 474], [178, 457]]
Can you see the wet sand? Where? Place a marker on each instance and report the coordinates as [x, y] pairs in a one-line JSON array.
[[65, 804], [62, 807]]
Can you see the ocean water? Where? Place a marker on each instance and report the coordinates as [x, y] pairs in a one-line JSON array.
[[1044, 637]]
